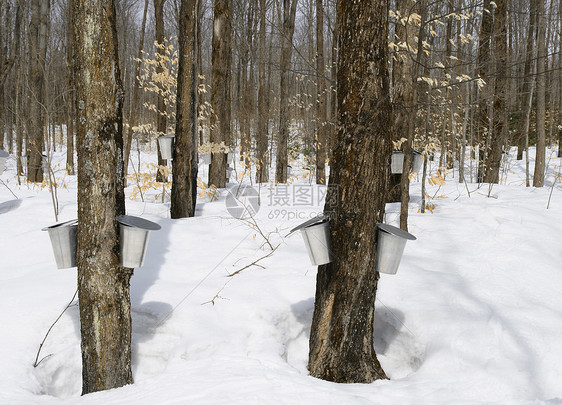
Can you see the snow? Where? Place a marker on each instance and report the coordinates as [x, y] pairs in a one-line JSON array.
[[473, 315]]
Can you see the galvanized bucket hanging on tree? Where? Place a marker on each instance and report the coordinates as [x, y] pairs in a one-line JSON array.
[[390, 247], [64, 242], [134, 233], [397, 162], [166, 143], [316, 235], [3, 157]]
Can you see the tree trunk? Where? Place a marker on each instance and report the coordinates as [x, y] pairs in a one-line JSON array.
[[38, 50], [526, 93], [499, 120], [538, 176], [483, 71], [341, 341], [160, 102], [220, 101], [184, 165], [405, 97], [262, 172], [560, 85], [289, 12], [3, 45], [7, 61], [321, 112], [333, 90], [71, 96], [135, 98], [103, 285]]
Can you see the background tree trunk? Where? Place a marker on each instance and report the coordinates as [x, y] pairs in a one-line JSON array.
[[560, 82], [161, 120], [499, 120], [405, 74], [538, 176], [71, 95], [321, 112], [103, 285], [526, 91], [289, 12], [220, 85], [341, 341], [262, 136], [135, 97], [184, 183], [38, 51], [483, 71]]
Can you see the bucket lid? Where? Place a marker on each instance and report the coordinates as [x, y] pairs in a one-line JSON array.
[[168, 136], [62, 224], [314, 221], [395, 231], [138, 222], [4, 154]]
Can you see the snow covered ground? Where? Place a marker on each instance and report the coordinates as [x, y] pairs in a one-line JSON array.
[[473, 316]]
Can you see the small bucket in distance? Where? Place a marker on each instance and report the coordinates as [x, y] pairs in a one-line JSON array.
[[166, 143]]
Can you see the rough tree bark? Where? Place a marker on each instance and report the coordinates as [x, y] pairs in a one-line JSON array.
[[184, 165], [220, 85], [71, 96], [134, 99], [538, 176], [560, 85], [262, 136], [38, 51], [103, 285], [405, 72], [4, 15], [161, 120], [289, 12], [499, 120], [526, 91], [321, 112], [483, 70], [341, 341]]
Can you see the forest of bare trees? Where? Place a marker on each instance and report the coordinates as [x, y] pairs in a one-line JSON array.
[[466, 76], [337, 84]]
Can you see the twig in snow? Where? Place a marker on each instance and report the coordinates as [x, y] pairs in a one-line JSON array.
[[9, 189], [552, 188], [37, 361], [212, 301], [254, 263]]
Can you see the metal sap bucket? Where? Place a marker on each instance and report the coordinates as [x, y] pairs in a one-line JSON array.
[[64, 242], [289, 170], [390, 247], [230, 158], [206, 157], [418, 162], [3, 157], [316, 235], [229, 171], [166, 143], [397, 162], [45, 162], [134, 233]]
